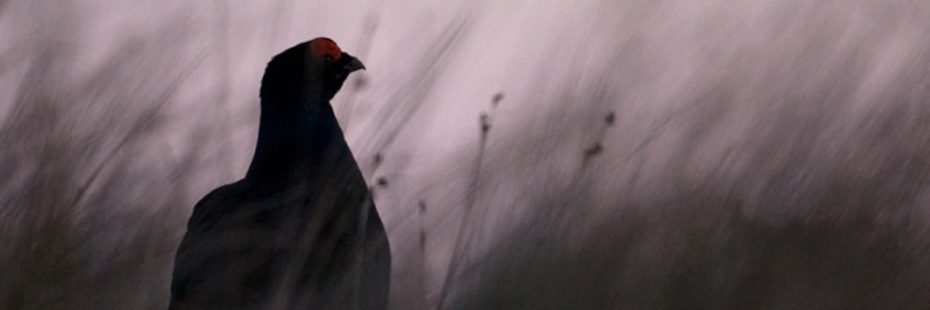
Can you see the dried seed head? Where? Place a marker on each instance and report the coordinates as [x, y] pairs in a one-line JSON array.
[[497, 98]]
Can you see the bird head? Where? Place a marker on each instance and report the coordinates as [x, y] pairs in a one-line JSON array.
[[314, 69]]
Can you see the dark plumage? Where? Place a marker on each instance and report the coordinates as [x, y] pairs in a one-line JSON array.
[[300, 230]]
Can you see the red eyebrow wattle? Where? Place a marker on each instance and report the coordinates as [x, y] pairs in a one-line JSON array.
[[325, 46]]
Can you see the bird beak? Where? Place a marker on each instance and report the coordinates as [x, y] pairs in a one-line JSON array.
[[353, 64]]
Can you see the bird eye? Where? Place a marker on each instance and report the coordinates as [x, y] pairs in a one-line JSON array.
[[328, 58]]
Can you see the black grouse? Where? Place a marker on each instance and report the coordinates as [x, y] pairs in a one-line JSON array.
[[300, 231]]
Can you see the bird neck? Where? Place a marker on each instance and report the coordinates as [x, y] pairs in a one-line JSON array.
[[293, 142]]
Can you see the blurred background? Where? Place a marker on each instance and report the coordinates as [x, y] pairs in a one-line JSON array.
[[533, 154]]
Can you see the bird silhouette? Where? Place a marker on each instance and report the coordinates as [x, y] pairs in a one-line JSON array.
[[300, 230]]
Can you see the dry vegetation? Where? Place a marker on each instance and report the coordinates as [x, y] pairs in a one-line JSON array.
[[773, 154]]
